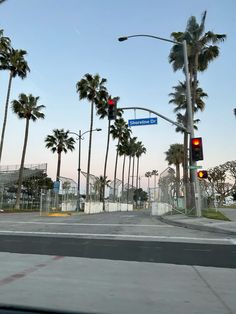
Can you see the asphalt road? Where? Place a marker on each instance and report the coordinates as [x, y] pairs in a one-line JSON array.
[[138, 225], [133, 236]]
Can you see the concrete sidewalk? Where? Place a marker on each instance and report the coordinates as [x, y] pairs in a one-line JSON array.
[[203, 224]]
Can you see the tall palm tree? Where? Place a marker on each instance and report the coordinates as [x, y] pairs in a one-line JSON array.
[[148, 175], [122, 150], [175, 156], [139, 152], [26, 107], [119, 130], [91, 88], [130, 151], [202, 49], [16, 64], [102, 112], [155, 174], [59, 142]]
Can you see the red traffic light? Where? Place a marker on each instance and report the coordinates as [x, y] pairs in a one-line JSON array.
[[202, 174], [197, 141], [111, 102], [196, 148]]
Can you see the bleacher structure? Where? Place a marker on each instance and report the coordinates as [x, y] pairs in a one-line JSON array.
[[10, 174]]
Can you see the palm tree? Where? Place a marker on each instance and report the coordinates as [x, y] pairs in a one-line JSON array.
[[14, 62], [91, 88], [148, 175], [130, 151], [122, 149], [139, 152], [155, 174], [103, 113], [59, 142], [119, 130], [99, 187], [175, 156], [202, 49], [26, 107], [179, 99], [5, 46]]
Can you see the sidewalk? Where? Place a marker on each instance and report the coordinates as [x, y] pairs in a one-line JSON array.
[[203, 224]]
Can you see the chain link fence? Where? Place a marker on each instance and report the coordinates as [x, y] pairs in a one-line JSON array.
[[51, 201]]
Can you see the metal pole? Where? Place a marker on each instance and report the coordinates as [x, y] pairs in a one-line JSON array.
[[79, 171], [190, 128]]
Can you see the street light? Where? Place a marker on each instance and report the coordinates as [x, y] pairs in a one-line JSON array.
[[190, 128], [80, 137]]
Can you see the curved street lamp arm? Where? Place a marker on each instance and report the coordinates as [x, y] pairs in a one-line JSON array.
[[150, 36]]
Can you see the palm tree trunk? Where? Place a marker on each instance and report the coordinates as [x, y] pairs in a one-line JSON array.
[[115, 171], [17, 206], [137, 173], [58, 166], [123, 177], [89, 152], [177, 180], [5, 114], [133, 172], [105, 164], [128, 179]]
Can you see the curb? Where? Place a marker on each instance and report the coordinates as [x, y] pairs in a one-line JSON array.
[[195, 227]]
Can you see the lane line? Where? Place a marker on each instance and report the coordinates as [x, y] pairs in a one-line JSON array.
[[83, 224], [110, 235]]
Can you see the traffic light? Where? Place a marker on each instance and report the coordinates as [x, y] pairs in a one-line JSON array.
[[202, 174], [196, 148], [111, 109]]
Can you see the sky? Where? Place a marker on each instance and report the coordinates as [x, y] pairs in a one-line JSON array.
[[65, 39]]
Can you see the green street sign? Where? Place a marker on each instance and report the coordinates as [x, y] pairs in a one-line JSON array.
[[194, 167]]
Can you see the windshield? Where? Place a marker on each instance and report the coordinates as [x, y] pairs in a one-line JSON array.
[[117, 156]]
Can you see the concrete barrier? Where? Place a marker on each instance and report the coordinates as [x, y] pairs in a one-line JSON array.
[[97, 207], [68, 206], [93, 207], [159, 209]]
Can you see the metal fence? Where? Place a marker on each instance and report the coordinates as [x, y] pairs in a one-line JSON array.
[[51, 201]]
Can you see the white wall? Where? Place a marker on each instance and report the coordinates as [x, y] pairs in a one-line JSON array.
[[68, 206], [159, 209], [93, 208]]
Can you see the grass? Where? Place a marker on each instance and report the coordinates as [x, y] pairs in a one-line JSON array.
[[213, 214], [229, 206]]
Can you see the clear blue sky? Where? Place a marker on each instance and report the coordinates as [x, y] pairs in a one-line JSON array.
[[66, 39]]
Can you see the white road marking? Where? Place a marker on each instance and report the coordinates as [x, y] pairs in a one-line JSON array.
[[83, 224], [110, 235]]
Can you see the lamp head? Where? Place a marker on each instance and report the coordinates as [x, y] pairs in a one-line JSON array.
[[122, 38]]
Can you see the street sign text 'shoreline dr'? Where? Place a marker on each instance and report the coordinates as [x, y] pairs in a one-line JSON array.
[[144, 121]]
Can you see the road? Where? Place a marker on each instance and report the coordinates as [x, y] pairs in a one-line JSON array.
[[131, 236], [115, 263]]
